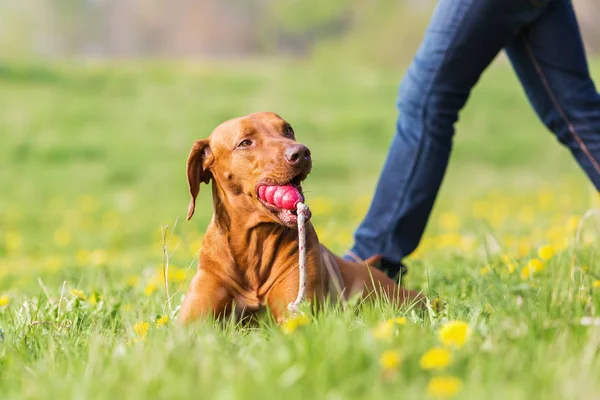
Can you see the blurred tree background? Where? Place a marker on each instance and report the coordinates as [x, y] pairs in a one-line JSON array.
[[382, 31]]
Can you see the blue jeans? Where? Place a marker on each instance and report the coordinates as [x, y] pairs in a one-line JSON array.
[[545, 48]]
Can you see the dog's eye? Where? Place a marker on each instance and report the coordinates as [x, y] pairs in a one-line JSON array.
[[245, 143], [288, 131]]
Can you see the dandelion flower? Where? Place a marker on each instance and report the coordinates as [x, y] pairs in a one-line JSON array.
[[132, 280], [390, 359], [523, 246], [150, 288], [293, 323], [78, 294], [62, 237], [83, 257], [89, 204], [444, 386], [162, 321], [13, 240], [546, 252], [586, 268], [437, 304], [176, 274], [399, 320], [449, 221], [98, 257], [533, 266], [510, 267], [435, 359], [485, 270], [141, 329], [384, 330], [596, 284], [454, 334], [321, 205], [94, 298], [572, 223], [4, 300]]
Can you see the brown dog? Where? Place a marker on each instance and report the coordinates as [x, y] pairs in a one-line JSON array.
[[249, 255]]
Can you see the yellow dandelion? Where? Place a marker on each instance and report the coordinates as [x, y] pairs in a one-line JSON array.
[[454, 333], [390, 359], [523, 247], [95, 297], [132, 280], [293, 323], [62, 237], [321, 205], [449, 221], [498, 215], [560, 244], [546, 252], [141, 329], [176, 274], [435, 359], [161, 321], [485, 270], [384, 330], [596, 284], [480, 209], [399, 320], [89, 204], [586, 268], [449, 240], [437, 305], [488, 308], [572, 223], [195, 245], [83, 257], [510, 267], [344, 237], [150, 288], [533, 266], [526, 216], [467, 244], [4, 300], [444, 386], [53, 263], [13, 240], [78, 294], [361, 205], [99, 257]]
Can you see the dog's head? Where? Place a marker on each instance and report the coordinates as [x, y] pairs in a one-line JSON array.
[[255, 163]]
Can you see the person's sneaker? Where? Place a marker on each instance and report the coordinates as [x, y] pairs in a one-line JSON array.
[[394, 270]]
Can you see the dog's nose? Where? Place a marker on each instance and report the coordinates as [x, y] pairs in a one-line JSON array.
[[297, 154]]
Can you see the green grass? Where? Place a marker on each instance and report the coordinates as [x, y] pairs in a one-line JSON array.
[[92, 162]]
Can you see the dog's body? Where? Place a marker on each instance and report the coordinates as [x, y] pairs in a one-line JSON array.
[[249, 255]]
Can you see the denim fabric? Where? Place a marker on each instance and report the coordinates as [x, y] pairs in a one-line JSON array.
[[542, 40]]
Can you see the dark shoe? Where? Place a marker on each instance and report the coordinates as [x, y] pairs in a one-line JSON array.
[[393, 270]]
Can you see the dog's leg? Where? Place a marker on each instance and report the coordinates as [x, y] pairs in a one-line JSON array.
[[206, 296], [285, 291]]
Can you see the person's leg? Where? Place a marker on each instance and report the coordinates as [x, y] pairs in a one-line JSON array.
[[462, 39], [550, 60]]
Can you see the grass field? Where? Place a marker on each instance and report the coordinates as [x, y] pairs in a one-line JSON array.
[[92, 160]]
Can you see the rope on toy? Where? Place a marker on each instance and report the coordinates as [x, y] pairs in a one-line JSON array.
[[302, 211]]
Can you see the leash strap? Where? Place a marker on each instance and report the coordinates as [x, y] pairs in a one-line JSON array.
[[302, 210]]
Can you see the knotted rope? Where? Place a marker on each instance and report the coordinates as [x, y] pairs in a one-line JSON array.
[[302, 211]]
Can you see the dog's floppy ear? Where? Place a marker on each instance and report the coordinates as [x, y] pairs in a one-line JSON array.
[[199, 160]]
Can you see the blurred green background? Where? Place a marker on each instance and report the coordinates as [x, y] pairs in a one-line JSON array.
[[101, 101]]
